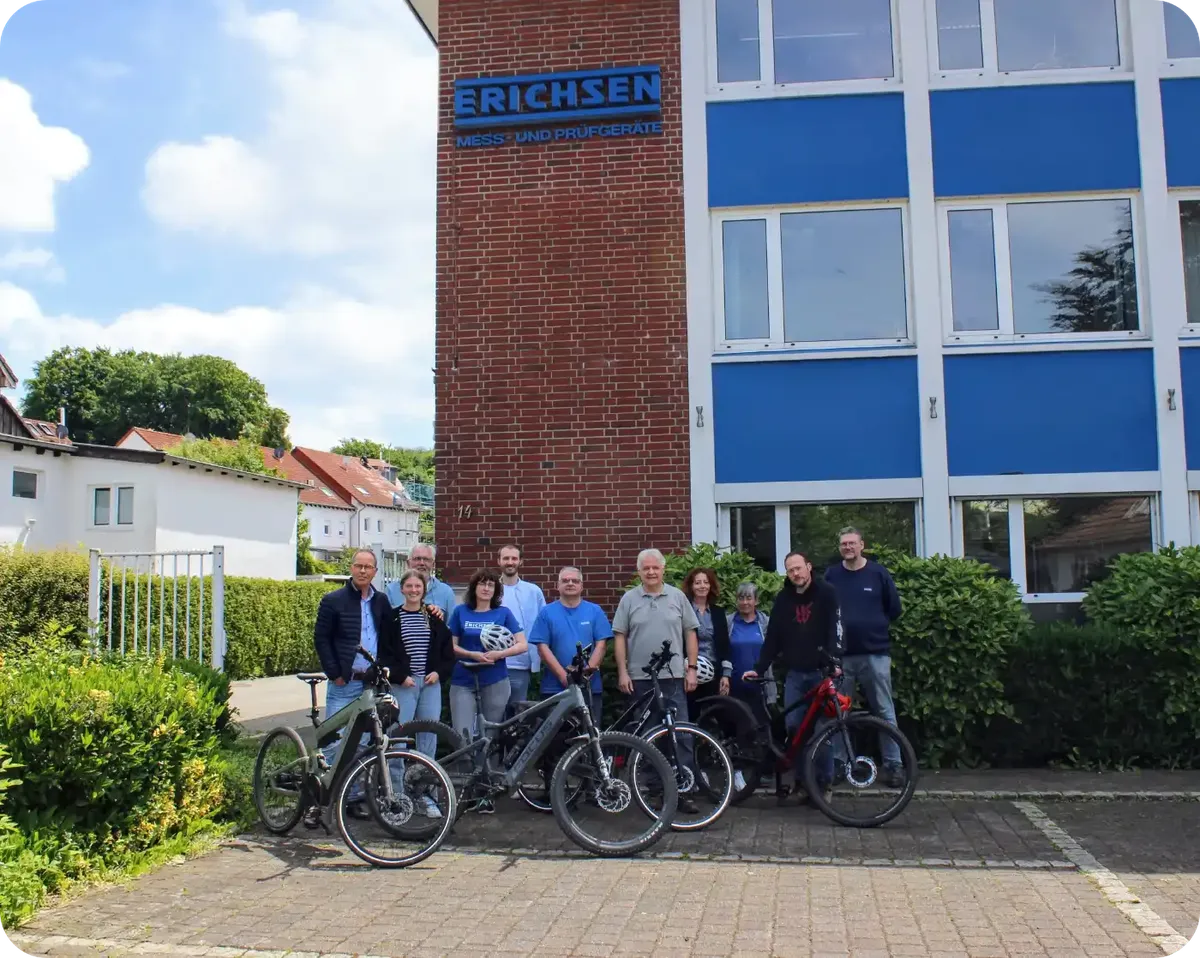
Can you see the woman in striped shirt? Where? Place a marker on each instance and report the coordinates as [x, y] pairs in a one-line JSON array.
[[430, 652]]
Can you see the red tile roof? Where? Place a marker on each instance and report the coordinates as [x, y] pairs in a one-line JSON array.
[[45, 431], [161, 441], [349, 477]]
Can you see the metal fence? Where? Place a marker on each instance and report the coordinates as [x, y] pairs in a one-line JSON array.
[[389, 566], [159, 602]]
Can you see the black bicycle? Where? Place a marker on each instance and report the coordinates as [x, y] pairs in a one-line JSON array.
[[704, 778], [590, 789]]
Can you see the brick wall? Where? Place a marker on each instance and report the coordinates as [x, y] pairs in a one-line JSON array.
[[562, 405]]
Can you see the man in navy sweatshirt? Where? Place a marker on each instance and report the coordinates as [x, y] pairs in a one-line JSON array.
[[870, 604]]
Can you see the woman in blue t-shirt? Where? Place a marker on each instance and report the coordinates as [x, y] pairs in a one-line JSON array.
[[481, 608]]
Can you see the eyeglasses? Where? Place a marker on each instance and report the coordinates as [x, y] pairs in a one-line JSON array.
[[571, 581]]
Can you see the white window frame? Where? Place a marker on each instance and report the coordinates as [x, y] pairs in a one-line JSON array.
[[990, 74], [776, 341], [1179, 66], [38, 478], [1001, 248], [114, 511], [1179, 197], [1016, 534], [326, 527], [766, 86]]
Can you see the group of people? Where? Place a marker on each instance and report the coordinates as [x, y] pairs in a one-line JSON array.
[[426, 640]]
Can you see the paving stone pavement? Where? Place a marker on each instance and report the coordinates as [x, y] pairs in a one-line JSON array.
[[1010, 894]]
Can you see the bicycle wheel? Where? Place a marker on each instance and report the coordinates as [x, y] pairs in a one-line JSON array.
[[534, 789], [609, 804], [376, 802], [447, 741], [732, 722], [860, 737], [707, 782], [279, 774]]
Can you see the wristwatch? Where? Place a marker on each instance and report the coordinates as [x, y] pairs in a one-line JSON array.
[[691, 668]]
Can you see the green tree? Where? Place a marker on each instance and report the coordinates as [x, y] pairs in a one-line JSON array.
[[413, 465], [105, 393], [306, 562]]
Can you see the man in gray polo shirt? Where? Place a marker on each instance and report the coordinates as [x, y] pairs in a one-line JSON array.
[[647, 616]]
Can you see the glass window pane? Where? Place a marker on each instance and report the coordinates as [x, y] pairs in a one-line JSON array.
[[960, 37], [1073, 266], [973, 293], [125, 506], [1056, 34], [985, 533], [843, 276], [744, 254], [753, 532], [1182, 38], [737, 41], [24, 485], [102, 508], [819, 40], [816, 528], [1189, 224], [1069, 540]]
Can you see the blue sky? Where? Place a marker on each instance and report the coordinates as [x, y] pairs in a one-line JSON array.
[[246, 178]]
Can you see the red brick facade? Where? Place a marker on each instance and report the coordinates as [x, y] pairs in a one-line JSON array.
[[562, 402]]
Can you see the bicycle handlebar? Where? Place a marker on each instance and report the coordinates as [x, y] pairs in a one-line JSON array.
[[660, 659]]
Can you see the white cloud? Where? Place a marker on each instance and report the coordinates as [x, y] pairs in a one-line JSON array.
[[34, 160], [36, 260], [339, 366]]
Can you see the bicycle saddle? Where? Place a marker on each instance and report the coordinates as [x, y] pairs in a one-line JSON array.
[[313, 677]]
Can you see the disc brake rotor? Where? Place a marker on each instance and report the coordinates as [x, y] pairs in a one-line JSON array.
[[614, 796], [863, 772]]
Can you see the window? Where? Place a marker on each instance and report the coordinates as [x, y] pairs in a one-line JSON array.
[[752, 530], [366, 525], [24, 484], [125, 506], [1022, 36], [842, 277], [1189, 227], [816, 527], [102, 506], [1182, 40], [379, 525], [1041, 268], [804, 41], [1056, 546], [326, 528], [341, 528]]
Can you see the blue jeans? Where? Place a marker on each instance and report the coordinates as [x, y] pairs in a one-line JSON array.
[[874, 674], [518, 685], [337, 697], [421, 702], [795, 687]]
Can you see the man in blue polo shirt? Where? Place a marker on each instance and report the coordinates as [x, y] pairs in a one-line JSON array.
[[565, 624]]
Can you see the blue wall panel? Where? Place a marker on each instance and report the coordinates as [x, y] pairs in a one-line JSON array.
[[1035, 139], [1189, 362], [807, 150], [816, 419], [1181, 127], [1036, 413]]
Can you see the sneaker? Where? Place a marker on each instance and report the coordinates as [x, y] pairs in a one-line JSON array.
[[893, 776], [739, 781], [357, 808], [312, 816], [827, 794], [687, 805], [486, 807], [429, 808]]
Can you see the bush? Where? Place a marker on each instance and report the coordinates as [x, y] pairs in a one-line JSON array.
[[219, 684], [269, 626], [21, 888], [43, 599]]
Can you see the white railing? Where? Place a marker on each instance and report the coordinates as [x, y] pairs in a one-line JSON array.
[[158, 602]]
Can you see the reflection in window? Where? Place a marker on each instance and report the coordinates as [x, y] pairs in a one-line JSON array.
[[973, 270], [1182, 38], [816, 527], [752, 530], [818, 40], [125, 506], [24, 485], [744, 253], [843, 275], [985, 534], [1189, 224], [737, 41], [102, 507], [1069, 540], [960, 37], [1056, 34], [1073, 266]]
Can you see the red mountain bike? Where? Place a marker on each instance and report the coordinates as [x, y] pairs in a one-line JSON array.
[[759, 744]]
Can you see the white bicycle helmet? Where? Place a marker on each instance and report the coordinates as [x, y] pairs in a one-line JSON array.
[[495, 638], [704, 670]]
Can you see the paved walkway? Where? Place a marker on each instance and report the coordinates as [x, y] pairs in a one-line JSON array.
[[983, 879]]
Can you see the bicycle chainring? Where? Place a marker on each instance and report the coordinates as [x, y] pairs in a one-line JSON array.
[[862, 772]]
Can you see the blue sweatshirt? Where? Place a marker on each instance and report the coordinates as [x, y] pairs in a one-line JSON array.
[[870, 604]]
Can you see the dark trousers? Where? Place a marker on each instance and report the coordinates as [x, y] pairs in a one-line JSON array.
[[673, 693]]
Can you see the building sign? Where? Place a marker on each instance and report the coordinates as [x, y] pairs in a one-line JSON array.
[[628, 101]]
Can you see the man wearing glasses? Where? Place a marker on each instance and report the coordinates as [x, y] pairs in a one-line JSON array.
[[560, 627]]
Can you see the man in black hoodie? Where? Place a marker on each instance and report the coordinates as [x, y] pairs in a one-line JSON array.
[[805, 631]]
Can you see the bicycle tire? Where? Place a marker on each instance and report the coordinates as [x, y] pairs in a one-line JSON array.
[[448, 742], [717, 714], [688, 728], [857, 721], [448, 817], [293, 818], [562, 810]]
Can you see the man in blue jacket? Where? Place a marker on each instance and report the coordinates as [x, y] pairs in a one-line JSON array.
[[870, 604]]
